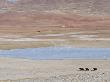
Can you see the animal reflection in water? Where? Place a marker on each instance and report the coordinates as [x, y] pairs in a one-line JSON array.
[[87, 69]]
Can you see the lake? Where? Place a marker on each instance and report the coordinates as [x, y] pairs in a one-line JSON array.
[[58, 53]]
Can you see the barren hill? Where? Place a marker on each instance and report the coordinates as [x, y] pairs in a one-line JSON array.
[[53, 14]]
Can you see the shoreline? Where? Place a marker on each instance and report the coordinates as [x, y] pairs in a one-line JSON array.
[[67, 59]]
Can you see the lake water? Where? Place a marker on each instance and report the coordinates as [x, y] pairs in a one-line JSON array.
[[58, 53]]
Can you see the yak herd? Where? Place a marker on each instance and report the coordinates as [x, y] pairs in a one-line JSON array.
[[87, 69]]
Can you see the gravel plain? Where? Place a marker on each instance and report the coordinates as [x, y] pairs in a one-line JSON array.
[[24, 70]]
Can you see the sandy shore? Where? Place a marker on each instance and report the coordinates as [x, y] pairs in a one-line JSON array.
[[98, 39], [24, 70]]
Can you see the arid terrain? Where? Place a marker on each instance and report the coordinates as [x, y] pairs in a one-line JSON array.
[[35, 24], [43, 23], [24, 70]]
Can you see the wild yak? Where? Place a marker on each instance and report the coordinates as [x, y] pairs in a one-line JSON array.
[[94, 69], [81, 69]]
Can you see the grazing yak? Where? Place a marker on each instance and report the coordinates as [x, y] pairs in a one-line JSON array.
[[94, 69], [86, 69], [81, 69]]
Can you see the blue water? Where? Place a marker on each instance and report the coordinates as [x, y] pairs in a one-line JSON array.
[[12, 0], [58, 53]]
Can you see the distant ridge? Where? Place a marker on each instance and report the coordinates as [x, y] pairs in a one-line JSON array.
[[77, 6]]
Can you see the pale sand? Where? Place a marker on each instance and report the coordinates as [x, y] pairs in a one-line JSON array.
[[24, 70], [28, 39]]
